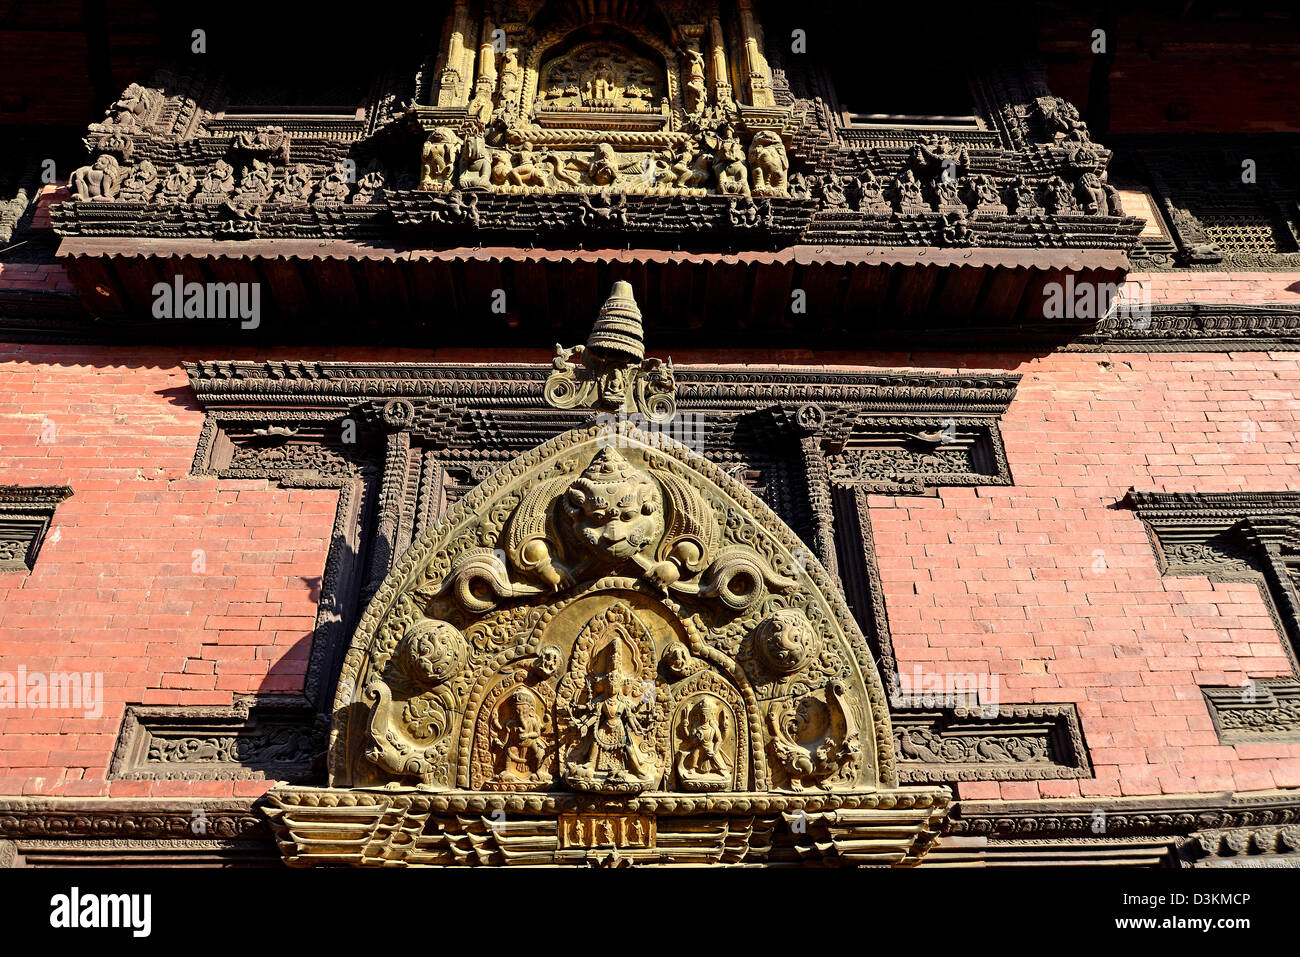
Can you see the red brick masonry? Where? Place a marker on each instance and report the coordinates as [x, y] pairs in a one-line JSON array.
[[1045, 583]]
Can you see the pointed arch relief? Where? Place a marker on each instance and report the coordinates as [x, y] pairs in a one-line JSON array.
[[609, 635]]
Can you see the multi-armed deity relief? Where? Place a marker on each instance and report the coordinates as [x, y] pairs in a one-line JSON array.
[[609, 629]]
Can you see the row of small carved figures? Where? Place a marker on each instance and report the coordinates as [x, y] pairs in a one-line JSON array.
[[718, 162], [1089, 193], [106, 179]]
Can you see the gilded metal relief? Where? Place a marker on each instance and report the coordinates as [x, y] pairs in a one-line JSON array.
[[611, 619]]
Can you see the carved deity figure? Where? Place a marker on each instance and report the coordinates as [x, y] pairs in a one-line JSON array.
[[334, 188], [178, 186], [768, 164], [908, 191], [141, 182], [1062, 120], [511, 78], [369, 187], [604, 167], [218, 184], [98, 181], [517, 728], [696, 89], [478, 163], [733, 177], [295, 187], [1060, 196], [706, 729], [869, 193], [129, 111], [438, 158], [947, 192], [986, 193], [1026, 197], [527, 170], [612, 720], [255, 184]]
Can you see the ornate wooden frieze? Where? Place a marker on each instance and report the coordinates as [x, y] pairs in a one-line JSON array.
[[1007, 743], [1196, 327], [651, 118], [1235, 536], [1226, 204], [1242, 847], [900, 454], [25, 515], [247, 741]]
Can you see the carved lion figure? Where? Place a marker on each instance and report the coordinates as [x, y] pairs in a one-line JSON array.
[[768, 164]]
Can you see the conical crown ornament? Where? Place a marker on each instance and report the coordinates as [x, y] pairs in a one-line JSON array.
[[611, 371], [617, 332]]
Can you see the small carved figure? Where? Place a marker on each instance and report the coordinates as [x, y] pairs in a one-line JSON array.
[[696, 91], [1091, 193], [1026, 197], [519, 736], [947, 192], [336, 185], [1060, 196], [438, 158], [527, 171], [986, 193], [511, 78], [908, 191], [254, 184], [768, 164], [478, 163], [178, 186], [1062, 120], [869, 195], [733, 177], [141, 183], [678, 663], [369, 187], [130, 109], [295, 186], [834, 191], [98, 181], [706, 729], [800, 188], [218, 184]]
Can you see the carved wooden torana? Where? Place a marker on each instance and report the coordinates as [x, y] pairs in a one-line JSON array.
[[610, 652]]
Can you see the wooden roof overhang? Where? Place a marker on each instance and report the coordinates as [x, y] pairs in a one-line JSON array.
[[354, 291]]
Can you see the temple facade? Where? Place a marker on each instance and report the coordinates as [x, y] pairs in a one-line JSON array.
[[644, 432]]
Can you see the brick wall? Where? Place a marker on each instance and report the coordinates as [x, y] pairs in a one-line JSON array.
[[1003, 581]]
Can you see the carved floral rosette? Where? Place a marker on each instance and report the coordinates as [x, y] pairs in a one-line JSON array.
[[612, 618]]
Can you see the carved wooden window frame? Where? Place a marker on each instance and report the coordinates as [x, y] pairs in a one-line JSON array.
[[1238, 537]]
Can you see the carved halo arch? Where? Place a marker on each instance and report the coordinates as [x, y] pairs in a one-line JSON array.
[[761, 622], [568, 36]]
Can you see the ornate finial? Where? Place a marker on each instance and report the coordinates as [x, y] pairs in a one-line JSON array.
[[617, 331], [611, 372]]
